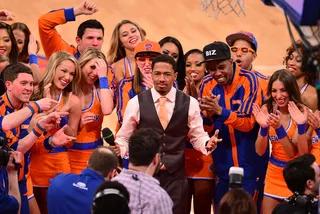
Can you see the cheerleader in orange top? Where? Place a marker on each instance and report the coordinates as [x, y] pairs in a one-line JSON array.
[[277, 124], [96, 101], [125, 37], [198, 166], [314, 122], [62, 77], [305, 79]]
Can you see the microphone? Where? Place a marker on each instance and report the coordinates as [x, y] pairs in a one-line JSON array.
[[108, 136], [235, 177]]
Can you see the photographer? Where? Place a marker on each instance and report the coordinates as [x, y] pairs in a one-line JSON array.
[[9, 191], [302, 177]]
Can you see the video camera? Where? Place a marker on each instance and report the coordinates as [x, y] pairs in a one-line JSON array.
[[5, 154]]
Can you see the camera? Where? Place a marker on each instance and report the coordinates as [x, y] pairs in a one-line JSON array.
[[235, 177], [5, 154]]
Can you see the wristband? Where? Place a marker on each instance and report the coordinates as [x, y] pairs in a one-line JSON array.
[[104, 83], [264, 131], [302, 128], [281, 133], [33, 59], [318, 131], [34, 107], [38, 130]]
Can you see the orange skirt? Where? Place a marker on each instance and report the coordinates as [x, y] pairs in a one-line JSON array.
[[29, 186], [45, 166], [78, 159], [198, 165], [275, 185]]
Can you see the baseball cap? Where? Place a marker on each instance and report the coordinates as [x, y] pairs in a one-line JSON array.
[[249, 37], [216, 51], [147, 46]]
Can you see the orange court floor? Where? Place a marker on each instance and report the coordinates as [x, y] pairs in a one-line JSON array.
[[182, 19]]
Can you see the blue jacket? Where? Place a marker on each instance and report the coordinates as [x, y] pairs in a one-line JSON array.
[[8, 204], [72, 193], [236, 124]]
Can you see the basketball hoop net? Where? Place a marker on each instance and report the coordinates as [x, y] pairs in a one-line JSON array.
[[214, 7]]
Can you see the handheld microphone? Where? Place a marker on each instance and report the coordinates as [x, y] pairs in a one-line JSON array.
[[235, 177], [108, 136]]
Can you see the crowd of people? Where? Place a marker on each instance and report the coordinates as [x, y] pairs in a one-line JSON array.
[[183, 120]]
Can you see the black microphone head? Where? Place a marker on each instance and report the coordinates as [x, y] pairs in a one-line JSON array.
[[108, 136]]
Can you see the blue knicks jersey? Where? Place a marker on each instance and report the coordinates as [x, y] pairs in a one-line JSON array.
[[236, 124]]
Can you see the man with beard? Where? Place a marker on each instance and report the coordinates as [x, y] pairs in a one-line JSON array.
[[226, 98], [173, 115]]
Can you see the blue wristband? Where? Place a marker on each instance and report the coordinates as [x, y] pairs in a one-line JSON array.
[[104, 83], [281, 132], [318, 132], [33, 59], [31, 109], [264, 131], [302, 128]]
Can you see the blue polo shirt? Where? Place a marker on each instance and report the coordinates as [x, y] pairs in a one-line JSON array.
[[72, 193], [8, 204]]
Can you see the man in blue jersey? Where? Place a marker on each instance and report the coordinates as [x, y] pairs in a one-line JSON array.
[[226, 98]]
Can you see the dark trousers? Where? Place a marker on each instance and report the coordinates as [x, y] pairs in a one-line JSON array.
[[176, 185]]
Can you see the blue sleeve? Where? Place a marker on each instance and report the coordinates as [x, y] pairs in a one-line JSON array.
[[8, 204]]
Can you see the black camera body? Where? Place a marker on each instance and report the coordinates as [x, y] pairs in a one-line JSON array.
[[303, 203], [5, 154], [235, 177]]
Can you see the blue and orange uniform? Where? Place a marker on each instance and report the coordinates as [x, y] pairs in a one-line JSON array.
[[52, 41], [275, 185], [12, 138], [89, 136], [124, 94], [263, 83], [315, 147], [47, 161], [238, 130]]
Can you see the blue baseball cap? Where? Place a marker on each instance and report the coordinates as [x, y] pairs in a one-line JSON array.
[[249, 37]]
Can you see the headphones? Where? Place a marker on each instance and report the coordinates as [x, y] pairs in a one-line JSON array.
[[109, 191]]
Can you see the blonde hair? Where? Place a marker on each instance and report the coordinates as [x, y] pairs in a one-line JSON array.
[[89, 54], [54, 61], [116, 50]]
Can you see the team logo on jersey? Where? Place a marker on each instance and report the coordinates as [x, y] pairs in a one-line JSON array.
[[314, 139], [24, 126], [211, 53]]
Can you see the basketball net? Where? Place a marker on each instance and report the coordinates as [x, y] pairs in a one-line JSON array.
[[214, 7]]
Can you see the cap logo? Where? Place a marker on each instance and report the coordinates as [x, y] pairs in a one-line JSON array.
[[148, 46], [211, 53]]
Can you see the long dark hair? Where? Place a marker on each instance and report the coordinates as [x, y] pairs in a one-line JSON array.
[[14, 53], [309, 75], [181, 65], [24, 55], [290, 85]]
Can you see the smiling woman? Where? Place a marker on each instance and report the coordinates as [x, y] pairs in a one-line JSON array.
[[8, 44], [125, 37]]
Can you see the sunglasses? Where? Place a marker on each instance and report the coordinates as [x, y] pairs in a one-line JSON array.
[[235, 49], [144, 59]]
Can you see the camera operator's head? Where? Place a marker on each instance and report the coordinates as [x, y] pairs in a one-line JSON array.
[[302, 175], [237, 201], [144, 149], [111, 196], [19, 83], [104, 161]]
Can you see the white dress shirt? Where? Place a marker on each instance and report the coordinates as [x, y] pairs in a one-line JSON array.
[[198, 137]]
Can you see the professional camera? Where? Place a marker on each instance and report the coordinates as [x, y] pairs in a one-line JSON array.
[[235, 177], [303, 203], [5, 154]]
